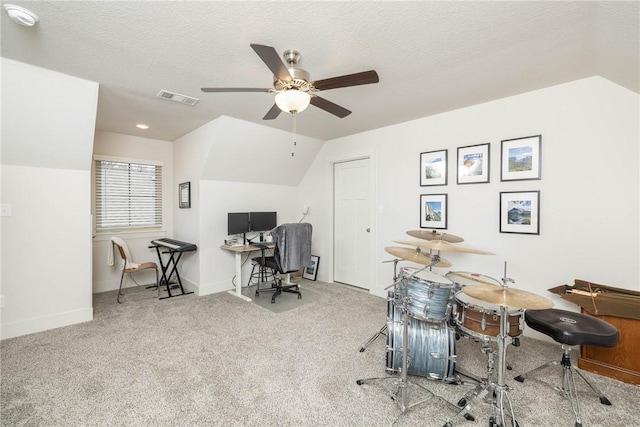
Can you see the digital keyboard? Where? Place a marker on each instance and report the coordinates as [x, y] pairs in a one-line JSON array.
[[175, 245]]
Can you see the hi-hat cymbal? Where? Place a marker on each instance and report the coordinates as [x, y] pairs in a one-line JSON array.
[[417, 256], [441, 245], [434, 235], [509, 297]]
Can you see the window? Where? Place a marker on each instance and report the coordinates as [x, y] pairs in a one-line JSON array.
[[128, 195]]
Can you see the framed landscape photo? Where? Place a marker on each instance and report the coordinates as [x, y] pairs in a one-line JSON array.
[[433, 211], [473, 164], [433, 168], [521, 158], [311, 272], [520, 212]]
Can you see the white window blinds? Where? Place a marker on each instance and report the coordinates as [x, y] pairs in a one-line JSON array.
[[128, 195]]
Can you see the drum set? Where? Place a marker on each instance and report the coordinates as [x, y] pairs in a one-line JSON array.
[[427, 312]]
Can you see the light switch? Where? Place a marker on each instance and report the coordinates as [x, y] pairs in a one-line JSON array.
[[5, 210]]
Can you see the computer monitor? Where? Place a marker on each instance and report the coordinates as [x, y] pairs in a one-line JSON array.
[[238, 223], [263, 221]]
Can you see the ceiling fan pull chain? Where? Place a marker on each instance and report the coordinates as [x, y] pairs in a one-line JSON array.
[[293, 149]]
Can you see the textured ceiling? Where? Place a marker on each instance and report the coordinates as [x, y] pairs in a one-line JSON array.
[[431, 57]]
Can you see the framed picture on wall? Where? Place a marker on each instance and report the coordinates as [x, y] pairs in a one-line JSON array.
[[433, 168], [520, 212], [433, 211], [311, 272], [520, 158], [473, 164], [184, 195]]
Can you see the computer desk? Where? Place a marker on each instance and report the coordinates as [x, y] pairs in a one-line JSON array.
[[239, 250]]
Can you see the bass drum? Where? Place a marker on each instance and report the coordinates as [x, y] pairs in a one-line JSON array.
[[431, 345]]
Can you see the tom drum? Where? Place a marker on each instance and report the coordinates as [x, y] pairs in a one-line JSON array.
[[429, 296]]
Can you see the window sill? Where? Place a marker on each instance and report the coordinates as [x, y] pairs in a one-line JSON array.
[[128, 234]]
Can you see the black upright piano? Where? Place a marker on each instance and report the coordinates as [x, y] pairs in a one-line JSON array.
[[175, 249]]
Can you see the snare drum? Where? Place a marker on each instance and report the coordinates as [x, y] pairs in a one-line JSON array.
[[431, 346], [429, 296], [481, 320], [464, 278]]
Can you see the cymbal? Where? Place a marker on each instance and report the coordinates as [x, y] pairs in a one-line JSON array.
[[416, 256], [434, 235], [441, 245], [509, 297]]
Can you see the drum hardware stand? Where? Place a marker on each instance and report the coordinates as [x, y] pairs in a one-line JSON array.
[[400, 396], [498, 392], [383, 330]]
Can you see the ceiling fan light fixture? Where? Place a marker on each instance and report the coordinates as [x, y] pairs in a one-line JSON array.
[[293, 100], [21, 15]]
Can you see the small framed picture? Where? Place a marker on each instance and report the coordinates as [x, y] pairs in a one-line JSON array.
[[311, 272], [521, 158], [520, 212], [473, 164], [184, 195], [433, 211], [433, 168]]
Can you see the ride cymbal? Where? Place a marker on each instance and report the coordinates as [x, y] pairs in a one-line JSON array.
[[417, 256], [441, 245], [434, 235], [509, 297]]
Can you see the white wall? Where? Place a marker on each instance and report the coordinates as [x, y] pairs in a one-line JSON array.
[[107, 278], [48, 120], [234, 166], [589, 188]]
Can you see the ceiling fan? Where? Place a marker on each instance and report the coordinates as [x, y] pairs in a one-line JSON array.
[[293, 86]]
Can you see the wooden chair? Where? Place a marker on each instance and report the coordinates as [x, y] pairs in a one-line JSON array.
[[130, 267]]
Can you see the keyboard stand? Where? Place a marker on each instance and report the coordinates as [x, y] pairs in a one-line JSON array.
[[165, 267]]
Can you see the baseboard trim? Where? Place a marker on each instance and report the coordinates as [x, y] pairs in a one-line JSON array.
[[45, 323]]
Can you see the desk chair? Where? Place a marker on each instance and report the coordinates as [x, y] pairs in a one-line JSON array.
[[292, 252], [130, 267]]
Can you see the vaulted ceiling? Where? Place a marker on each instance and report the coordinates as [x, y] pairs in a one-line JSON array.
[[431, 57]]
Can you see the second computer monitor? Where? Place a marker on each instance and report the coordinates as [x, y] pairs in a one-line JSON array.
[[263, 221]]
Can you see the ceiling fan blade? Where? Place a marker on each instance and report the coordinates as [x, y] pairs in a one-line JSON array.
[[357, 79], [330, 107], [273, 113], [233, 89], [270, 57]]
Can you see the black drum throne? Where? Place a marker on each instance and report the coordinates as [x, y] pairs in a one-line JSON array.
[[569, 329]]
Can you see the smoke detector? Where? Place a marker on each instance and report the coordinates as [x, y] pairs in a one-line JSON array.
[[21, 15]]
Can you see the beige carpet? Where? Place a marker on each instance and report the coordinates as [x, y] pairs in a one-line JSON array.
[[219, 361]]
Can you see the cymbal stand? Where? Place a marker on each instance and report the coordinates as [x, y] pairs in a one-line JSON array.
[[383, 330], [498, 392], [400, 395]]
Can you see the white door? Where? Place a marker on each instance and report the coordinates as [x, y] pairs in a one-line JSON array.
[[352, 234]]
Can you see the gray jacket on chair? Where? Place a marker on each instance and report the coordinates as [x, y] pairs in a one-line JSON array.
[[294, 245]]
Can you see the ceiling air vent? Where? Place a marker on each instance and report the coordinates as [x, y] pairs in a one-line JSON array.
[[171, 96]]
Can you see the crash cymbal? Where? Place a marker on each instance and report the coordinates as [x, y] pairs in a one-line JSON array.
[[441, 245], [509, 297], [417, 256], [434, 235]]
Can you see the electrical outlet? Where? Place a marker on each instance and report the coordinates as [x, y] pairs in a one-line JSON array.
[[5, 209], [305, 209]]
